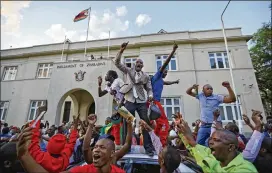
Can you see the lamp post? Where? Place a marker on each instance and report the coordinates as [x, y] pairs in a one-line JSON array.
[[240, 125]]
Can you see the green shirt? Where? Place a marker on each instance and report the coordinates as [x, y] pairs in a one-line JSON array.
[[208, 162]]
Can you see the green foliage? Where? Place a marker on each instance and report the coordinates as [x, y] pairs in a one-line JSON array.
[[261, 55]]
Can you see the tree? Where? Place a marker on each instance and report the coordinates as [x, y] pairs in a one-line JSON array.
[[261, 55]]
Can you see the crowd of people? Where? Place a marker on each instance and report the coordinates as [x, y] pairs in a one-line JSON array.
[[206, 147]]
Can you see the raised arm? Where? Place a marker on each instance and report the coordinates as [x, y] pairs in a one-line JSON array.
[[156, 142], [231, 97], [125, 148], [87, 151], [69, 146], [118, 63], [100, 91], [247, 121], [29, 164], [189, 90], [254, 144], [165, 64], [170, 82]]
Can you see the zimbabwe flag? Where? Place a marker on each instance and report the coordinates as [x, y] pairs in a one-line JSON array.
[[82, 15]]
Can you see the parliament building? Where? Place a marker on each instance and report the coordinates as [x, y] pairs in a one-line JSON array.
[[62, 75]]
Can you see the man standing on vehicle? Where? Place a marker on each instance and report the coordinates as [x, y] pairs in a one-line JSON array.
[[162, 125], [136, 82], [209, 102]]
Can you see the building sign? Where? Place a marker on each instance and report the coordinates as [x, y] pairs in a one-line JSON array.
[[92, 64]]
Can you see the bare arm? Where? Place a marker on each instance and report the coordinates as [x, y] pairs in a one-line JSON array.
[[118, 63], [231, 97], [86, 145], [30, 165], [87, 151], [119, 154], [100, 92], [170, 82], [189, 90], [165, 64]]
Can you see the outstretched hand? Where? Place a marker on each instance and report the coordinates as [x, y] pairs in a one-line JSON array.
[[257, 119], [246, 119], [145, 126], [185, 130], [23, 142]]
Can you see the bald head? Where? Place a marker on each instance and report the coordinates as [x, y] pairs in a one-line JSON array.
[[139, 60], [227, 137]]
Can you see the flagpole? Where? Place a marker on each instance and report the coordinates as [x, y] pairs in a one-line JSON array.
[[63, 47], [109, 45], [89, 14]]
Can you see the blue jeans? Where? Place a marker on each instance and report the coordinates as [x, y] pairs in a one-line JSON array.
[[203, 135]]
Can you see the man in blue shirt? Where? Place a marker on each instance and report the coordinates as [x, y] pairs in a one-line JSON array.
[[157, 82], [209, 102]]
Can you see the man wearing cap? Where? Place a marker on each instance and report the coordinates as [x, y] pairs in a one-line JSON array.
[[162, 125], [56, 159], [137, 82]]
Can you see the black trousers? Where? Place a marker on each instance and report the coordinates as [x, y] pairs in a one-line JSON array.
[[141, 109]]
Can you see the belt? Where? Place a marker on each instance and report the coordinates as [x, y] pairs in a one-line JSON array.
[[205, 124]]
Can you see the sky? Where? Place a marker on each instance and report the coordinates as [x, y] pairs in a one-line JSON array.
[[29, 23]]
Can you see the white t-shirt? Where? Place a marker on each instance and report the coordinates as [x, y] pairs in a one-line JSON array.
[[116, 85], [173, 133]]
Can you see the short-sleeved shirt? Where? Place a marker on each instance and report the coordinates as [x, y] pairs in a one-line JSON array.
[[116, 85], [157, 85], [91, 168], [208, 106]]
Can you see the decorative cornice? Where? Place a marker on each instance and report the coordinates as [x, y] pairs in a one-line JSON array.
[[131, 46]]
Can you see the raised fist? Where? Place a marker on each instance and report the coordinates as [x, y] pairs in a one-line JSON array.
[[175, 46], [124, 46], [226, 84], [99, 80], [195, 86], [92, 119]]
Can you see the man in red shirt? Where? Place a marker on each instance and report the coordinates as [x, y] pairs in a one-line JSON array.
[[56, 159], [103, 153]]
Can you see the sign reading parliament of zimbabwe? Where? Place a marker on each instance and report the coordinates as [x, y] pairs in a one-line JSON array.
[[93, 64]]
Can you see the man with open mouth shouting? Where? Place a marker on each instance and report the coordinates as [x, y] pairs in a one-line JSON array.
[[137, 82], [102, 156], [221, 155]]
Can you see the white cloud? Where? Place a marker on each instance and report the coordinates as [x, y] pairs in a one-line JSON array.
[[121, 11], [57, 33], [100, 24], [11, 16], [142, 19]]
